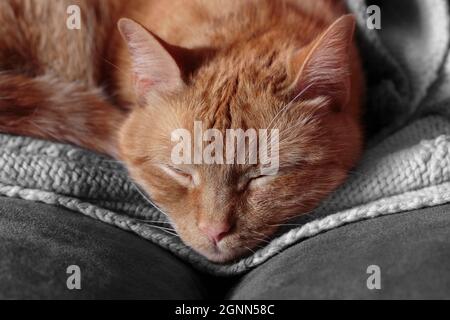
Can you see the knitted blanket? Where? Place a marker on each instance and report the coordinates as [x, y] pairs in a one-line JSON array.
[[406, 163]]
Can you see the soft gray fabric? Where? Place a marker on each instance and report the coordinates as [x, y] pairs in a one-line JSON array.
[[411, 249], [38, 242], [404, 167]]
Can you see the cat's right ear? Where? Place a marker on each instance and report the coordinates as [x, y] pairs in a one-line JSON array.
[[323, 68], [155, 70]]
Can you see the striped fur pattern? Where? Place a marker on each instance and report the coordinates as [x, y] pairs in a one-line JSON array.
[[287, 64]]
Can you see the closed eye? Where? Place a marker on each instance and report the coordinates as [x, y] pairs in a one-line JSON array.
[[179, 175], [260, 181]]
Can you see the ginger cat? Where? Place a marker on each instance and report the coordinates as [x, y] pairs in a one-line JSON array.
[[138, 70]]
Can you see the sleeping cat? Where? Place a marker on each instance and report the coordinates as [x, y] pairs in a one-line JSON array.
[[138, 70]]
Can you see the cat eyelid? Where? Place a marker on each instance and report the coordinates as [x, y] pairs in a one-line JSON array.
[[262, 176], [257, 174], [261, 180], [178, 170], [179, 175], [256, 178]]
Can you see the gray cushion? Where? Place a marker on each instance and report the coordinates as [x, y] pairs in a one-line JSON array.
[[38, 242], [411, 249]]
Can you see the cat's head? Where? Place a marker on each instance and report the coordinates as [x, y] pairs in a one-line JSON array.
[[226, 210]]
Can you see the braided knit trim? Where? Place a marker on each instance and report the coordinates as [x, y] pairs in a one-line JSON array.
[[426, 197]]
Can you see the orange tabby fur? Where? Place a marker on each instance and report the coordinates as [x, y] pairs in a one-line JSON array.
[[230, 64]]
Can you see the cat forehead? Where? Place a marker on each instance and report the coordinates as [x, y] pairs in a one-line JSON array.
[[239, 111], [244, 68]]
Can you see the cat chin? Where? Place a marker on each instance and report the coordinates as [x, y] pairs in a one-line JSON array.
[[222, 256]]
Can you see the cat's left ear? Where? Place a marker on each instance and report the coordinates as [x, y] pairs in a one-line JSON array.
[[155, 70], [323, 68]]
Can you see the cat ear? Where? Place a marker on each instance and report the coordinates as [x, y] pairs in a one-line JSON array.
[[155, 70], [325, 64]]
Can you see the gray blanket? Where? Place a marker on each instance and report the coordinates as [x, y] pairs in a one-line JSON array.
[[406, 164]]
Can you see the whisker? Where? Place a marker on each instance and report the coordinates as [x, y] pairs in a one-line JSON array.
[[152, 221], [299, 124], [262, 240], [164, 230], [249, 249], [289, 104], [172, 234], [286, 225], [303, 214], [148, 199], [260, 233], [115, 66]]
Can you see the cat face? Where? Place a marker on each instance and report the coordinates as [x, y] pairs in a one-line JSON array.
[[226, 209]]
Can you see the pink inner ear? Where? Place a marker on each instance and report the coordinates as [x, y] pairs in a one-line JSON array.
[[155, 70], [325, 64], [143, 85]]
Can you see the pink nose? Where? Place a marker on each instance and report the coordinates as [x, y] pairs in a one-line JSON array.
[[215, 231]]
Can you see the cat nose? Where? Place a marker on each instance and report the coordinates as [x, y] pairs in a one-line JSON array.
[[216, 231]]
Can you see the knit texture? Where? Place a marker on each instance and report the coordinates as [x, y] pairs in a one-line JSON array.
[[406, 164]]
